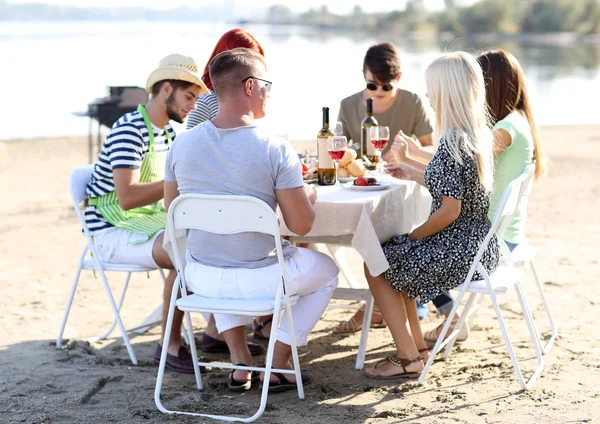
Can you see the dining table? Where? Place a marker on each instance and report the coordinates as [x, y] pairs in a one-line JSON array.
[[363, 217]]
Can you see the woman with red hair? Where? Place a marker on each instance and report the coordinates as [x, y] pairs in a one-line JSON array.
[[206, 105]]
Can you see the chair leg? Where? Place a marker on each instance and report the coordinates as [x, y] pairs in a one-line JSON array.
[[114, 323], [451, 339], [439, 344], [526, 385], [163, 354], [70, 301], [295, 359], [540, 288], [113, 305], [189, 336], [364, 334]]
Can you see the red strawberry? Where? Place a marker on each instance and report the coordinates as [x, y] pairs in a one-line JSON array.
[[305, 169]]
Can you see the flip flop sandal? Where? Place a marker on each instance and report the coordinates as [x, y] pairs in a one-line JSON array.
[[283, 385], [259, 327], [400, 363], [241, 386]]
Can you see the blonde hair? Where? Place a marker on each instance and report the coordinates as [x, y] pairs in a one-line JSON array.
[[456, 89]]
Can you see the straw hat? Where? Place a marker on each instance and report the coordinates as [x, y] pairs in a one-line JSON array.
[[176, 67]]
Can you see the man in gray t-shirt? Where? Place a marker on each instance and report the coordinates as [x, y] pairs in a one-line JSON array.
[[231, 156], [240, 161]]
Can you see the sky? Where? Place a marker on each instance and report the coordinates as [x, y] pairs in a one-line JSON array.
[[336, 6]]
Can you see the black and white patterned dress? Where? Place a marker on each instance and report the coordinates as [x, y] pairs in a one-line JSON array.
[[428, 267]]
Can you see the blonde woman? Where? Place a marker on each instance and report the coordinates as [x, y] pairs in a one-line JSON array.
[[436, 256]]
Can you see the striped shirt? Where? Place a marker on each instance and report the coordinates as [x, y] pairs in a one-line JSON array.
[[206, 109], [125, 147]]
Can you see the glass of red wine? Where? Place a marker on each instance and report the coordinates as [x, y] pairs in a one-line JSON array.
[[380, 136], [336, 147]]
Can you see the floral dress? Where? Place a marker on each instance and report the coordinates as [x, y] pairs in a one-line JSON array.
[[428, 267]]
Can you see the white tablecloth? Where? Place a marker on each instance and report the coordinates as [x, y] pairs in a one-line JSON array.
[[365, 219]]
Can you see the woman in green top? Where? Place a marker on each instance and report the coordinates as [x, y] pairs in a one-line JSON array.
[[516, 145]]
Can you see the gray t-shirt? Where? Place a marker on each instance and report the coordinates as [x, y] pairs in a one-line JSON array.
[[235, 161], [408, 113]]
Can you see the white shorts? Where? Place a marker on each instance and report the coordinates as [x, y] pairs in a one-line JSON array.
[[112, 245]]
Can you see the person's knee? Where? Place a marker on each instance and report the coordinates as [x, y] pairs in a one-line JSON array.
[[160, 255]]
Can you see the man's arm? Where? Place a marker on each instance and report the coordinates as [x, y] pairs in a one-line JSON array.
[[426, 141], [133, 194], [296, 208], [171, 192]]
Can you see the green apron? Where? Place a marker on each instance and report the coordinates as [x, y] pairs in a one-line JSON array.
[[145, 221]]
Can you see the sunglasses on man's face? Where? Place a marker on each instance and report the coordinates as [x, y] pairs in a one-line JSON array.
[[385, 87]]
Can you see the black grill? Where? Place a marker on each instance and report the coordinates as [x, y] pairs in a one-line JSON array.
[[107, 110]]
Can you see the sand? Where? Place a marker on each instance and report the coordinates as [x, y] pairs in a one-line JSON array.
[[40, 243]]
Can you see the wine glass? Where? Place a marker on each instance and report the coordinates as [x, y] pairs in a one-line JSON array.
[[339, 128], [380, 136], [336, 147]]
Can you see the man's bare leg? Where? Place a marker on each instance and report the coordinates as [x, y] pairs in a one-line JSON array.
[[238, 348], [162, 260]]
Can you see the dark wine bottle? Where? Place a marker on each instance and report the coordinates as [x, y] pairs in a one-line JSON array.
[[326, 166], [367, 150]]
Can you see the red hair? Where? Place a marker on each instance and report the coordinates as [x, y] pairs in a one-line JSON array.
[[230, 40]]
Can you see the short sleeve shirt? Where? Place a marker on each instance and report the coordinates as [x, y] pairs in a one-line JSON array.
[[238, 161], [408, 113]]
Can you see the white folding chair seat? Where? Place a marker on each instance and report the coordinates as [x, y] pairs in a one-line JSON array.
[[505, 277], [196, 303], [90, 265], [78, 181], [227, 215]]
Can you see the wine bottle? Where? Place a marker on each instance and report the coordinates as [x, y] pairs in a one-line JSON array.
[[326, 167], [367, 150]]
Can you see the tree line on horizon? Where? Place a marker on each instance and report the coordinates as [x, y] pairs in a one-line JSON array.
[[484, 16]]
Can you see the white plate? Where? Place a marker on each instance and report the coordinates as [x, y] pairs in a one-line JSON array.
[[347, 179], [311, 180], [382, 186]]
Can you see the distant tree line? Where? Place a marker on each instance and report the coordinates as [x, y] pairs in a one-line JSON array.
[[484, 16]]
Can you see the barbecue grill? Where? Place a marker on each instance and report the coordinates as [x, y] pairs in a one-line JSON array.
[[107, 110]]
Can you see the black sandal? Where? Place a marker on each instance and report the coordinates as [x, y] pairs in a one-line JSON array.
[[258, 328], [241, 386]]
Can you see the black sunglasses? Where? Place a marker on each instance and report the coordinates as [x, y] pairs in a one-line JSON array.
[[268, 84], [373, 87]]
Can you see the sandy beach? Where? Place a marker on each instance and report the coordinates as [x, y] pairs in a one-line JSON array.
[[40, 242]]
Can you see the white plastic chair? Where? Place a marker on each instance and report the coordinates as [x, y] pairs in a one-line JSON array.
[[500, 281], [78, 181], [226, 215], [524, 255]]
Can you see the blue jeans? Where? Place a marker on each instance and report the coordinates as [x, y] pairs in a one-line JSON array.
[[444, 302]]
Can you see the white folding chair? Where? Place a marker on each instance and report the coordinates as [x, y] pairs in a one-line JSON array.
[[524, 254], [502, 279], [226, 215], [78, 181]]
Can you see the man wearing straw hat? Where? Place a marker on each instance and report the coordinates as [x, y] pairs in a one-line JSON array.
[[124, 214]]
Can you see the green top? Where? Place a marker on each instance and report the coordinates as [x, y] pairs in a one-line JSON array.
[[509, 165]]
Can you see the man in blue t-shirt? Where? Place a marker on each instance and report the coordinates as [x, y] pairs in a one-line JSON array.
[[230, 155]]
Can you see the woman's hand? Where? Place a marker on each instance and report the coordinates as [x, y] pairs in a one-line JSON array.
[[399, 150], [400, 170]]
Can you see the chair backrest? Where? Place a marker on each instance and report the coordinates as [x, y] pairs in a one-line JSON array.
[[221, 214], [504, 214], [78, 181]]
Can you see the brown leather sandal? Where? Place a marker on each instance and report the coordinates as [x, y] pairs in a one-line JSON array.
[[353, 326], [400, 363]]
